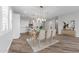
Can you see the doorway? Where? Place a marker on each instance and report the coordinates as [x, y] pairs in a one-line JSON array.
[[68, 28]]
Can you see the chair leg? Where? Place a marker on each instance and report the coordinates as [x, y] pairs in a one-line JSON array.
[[39, 43], [51, 34], [46, 36]]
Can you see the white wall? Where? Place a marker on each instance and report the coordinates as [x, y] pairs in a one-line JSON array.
[[16, 25], [23, 25]]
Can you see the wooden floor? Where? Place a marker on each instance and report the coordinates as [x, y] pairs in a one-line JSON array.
[[67, 45]]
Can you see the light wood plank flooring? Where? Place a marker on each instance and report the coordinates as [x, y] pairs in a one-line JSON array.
[[67, 45]]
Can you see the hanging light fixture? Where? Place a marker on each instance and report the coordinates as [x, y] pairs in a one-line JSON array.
[[41, 6]]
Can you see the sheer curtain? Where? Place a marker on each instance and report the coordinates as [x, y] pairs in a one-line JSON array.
[[6, 18]]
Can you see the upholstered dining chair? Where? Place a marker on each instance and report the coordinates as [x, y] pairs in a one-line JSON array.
[[41, 36]]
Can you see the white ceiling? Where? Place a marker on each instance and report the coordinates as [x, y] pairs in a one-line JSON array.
[[46, 11]]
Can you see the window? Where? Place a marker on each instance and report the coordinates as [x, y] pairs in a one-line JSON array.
[[4, 18]]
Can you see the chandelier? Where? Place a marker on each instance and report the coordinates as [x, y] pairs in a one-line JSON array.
[[41, 6]]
